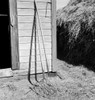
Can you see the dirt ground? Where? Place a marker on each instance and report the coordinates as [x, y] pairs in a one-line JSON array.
[[72, 83]]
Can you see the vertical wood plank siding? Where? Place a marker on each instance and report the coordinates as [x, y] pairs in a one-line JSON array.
[[14, 34], [25, 10]]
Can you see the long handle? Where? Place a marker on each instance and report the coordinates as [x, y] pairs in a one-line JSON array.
[[35, 9], [30, 55], [43, 42]]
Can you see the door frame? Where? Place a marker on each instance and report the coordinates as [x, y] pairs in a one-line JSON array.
[[55, 62], [53, 31], [14, 34]]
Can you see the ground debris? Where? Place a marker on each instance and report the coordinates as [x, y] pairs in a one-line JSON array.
[[76, 84]]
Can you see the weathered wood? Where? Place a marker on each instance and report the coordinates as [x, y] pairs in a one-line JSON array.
[[54, 46], [27, 33], [36, 0], [47, 39], [23, 72], [26, 64], [6, 73], [30, 19], [25, 53], [45, 26], [27, 12], [27, 46], [25, 21], [26, 59], [14, 34], [40, 5]]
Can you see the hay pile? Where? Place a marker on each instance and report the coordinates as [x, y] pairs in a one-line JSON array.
[[76, 33]]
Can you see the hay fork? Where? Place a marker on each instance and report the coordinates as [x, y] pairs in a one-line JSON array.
[[42, 85], [34, 34]]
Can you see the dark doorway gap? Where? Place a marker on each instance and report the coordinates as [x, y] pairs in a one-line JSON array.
[[5, 40]]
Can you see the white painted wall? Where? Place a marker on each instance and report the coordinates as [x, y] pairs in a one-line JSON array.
[[61, 3], [25, 10]]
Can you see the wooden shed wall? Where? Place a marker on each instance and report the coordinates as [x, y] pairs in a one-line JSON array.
[[25, 10]]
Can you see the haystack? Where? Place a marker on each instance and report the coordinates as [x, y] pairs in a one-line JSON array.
[[76, 33]]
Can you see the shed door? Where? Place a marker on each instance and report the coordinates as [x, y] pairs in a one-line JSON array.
[[5, 49]]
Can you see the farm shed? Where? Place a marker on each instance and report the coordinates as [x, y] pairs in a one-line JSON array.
[[19, 20]]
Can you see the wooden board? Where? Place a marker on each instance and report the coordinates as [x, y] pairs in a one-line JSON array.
[[25, 22], [47, 39], [27, 46], [4, 73], [40, 5], [45, 26], [25, 53], [30, 12], [54, 35], [27, 33], [36, 0], [14, 34], [26, 59], [30, 19], [25, 65]]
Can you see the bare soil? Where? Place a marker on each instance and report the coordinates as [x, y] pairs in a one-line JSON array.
[[72, 83]]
